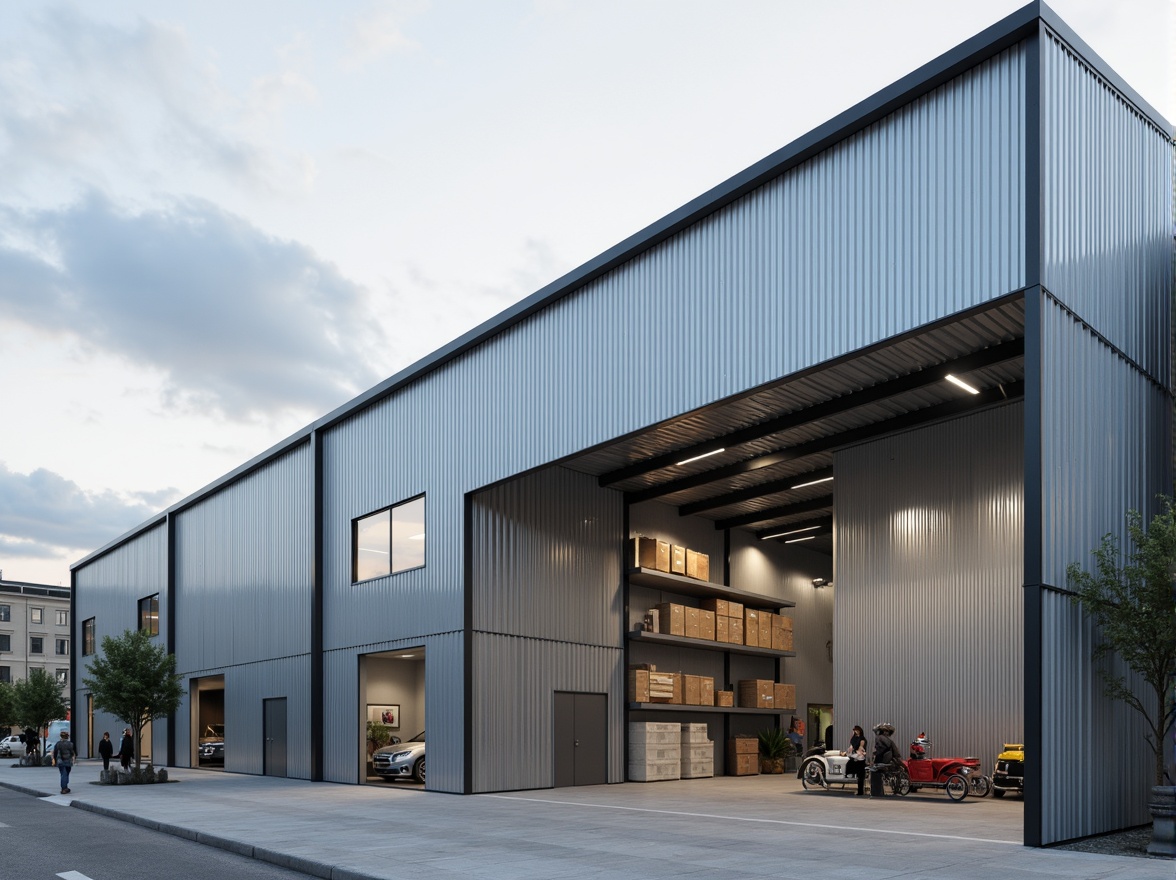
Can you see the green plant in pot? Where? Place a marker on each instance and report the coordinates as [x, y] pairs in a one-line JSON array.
[[378, 736], [775, 749]]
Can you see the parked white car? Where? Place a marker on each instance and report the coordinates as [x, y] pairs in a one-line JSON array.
[[12, 746]]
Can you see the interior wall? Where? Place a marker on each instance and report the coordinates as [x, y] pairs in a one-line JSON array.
[[402, 683]]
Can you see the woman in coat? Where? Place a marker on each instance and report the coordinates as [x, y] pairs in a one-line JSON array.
[[126, 749], [856, 766], [106, 750]]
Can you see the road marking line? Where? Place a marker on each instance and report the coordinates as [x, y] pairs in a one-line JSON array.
[[762, 821], [73, 875], [59, 799]]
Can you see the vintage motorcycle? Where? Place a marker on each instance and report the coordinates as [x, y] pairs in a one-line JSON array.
[[958, 777], [820, 768]]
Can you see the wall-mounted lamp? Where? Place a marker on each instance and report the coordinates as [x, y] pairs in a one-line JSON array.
[[821, 582]]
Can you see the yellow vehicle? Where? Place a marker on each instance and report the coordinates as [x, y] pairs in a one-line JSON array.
[[1009, 775]]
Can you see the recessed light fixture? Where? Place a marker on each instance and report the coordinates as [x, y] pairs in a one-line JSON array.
[[697, 457], [961, 383], [812, 482], [793, 532], [798, 540]]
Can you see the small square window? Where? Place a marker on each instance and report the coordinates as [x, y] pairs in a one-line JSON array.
[[88, 636], [36, 615], [5, 613], [63, 676], [36, 645], [62, 647], [389, 541], [5, 642], [149, 615], [63, 618]]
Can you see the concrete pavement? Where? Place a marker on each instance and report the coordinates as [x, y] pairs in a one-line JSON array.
[[737, 828]]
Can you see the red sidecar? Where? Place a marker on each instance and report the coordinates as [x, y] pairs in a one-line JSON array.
[[958, 777]]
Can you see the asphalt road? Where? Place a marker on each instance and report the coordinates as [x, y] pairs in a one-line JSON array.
[[44, 840]]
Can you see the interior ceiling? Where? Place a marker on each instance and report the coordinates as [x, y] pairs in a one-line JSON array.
[[784, 434]]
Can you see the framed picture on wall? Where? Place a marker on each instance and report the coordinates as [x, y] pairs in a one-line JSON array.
[[385, 714]]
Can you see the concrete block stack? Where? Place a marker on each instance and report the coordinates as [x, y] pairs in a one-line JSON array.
[[655, 751], [698, 751]]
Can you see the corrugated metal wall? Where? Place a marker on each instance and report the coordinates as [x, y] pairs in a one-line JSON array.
[[1105, 435], [243, 568], [246, 687], [928, 570], [545, 567], [109, 589], [1107, 209]]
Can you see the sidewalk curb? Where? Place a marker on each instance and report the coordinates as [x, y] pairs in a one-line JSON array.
[[273, 857]]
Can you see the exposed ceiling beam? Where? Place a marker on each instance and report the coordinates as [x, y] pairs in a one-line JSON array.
[[757, 491], [810, 506], [833, 441], [912, 381]]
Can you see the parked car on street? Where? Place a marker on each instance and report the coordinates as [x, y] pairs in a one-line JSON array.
[[212, 745], [401, 760], [12, 746]]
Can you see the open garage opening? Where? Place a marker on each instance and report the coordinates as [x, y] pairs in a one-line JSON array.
[[392, 685]]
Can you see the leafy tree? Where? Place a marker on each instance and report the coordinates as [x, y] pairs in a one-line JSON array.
[[38, 700], [1130, 597], [7, 704], [135, 681]]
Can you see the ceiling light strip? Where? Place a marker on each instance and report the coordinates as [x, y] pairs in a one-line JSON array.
[[698, 457], [793, 532], [960, 383]]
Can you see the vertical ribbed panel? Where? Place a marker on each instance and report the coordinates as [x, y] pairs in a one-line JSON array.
[[515, 680], [1105, 432], [109, 588], [245, 689], [444, 710], [1107, 209], [928, 569], [1105, 442], [545, 559], [1105, 738], [243, 573]]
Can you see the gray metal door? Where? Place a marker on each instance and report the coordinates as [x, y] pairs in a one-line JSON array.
[[275, 736], [581, 739]]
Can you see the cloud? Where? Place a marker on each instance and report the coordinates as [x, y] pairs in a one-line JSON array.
[[43, 514], [238, 322], [379, 31]]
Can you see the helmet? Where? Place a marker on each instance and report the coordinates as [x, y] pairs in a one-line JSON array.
[[884, 727]]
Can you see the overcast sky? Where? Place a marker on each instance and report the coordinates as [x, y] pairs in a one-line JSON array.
[[221, 220]]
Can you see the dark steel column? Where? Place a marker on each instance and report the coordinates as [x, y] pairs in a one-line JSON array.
[[316, 615]]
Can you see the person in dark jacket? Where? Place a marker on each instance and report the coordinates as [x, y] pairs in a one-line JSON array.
[[32, 743], [885, 753], [106, 750], [64, 753], [856, 765], [126, 749]]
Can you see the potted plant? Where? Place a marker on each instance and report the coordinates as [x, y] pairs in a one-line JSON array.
[[1130, 597], [378, 736], [775, 749]]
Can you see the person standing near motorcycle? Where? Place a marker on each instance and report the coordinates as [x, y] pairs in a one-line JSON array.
[[856, 766], [885, 753]]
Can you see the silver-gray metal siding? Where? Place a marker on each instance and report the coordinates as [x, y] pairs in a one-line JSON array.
[[109, 589], [246, 686], [1105, 430], [547, 615], [928, 570], [1106, 209], [243, 569]]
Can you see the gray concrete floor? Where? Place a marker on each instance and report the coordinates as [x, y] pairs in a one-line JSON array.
[[735, 828]]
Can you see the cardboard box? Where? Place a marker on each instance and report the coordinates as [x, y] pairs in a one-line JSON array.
[[718, 606], [782, 639], [706, 624], [735, 609], [765, 629], [734, 630], [663, 556], [677, 559], [697, 565], [742, 756], [661, 687], [785, 622], [785, 696], [638, 685], [721, 631], [643, 552], [671, 618], [690, 628], [725, 698], [706, 693], [678, 695], [751, 627], [757, 693], [743, 745], [691, 690]]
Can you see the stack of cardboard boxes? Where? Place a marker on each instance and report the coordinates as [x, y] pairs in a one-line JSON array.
[[721, 620], [658, 555], [647, 685], [762, 693], [743, 756]]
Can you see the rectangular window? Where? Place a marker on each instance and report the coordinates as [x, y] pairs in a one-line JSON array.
[[149, 615], [63, 676], [63, 618], [389, 541], [5, 673], [36, 615], [62, 647], [88, 637], [5, 642], [36, 645], [5, 613]]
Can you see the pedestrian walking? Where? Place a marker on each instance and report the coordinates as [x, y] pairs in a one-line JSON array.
[[126, 749], [64, 753], [106, 750]]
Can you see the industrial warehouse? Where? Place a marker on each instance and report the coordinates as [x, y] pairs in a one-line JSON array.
[[812, 451]]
